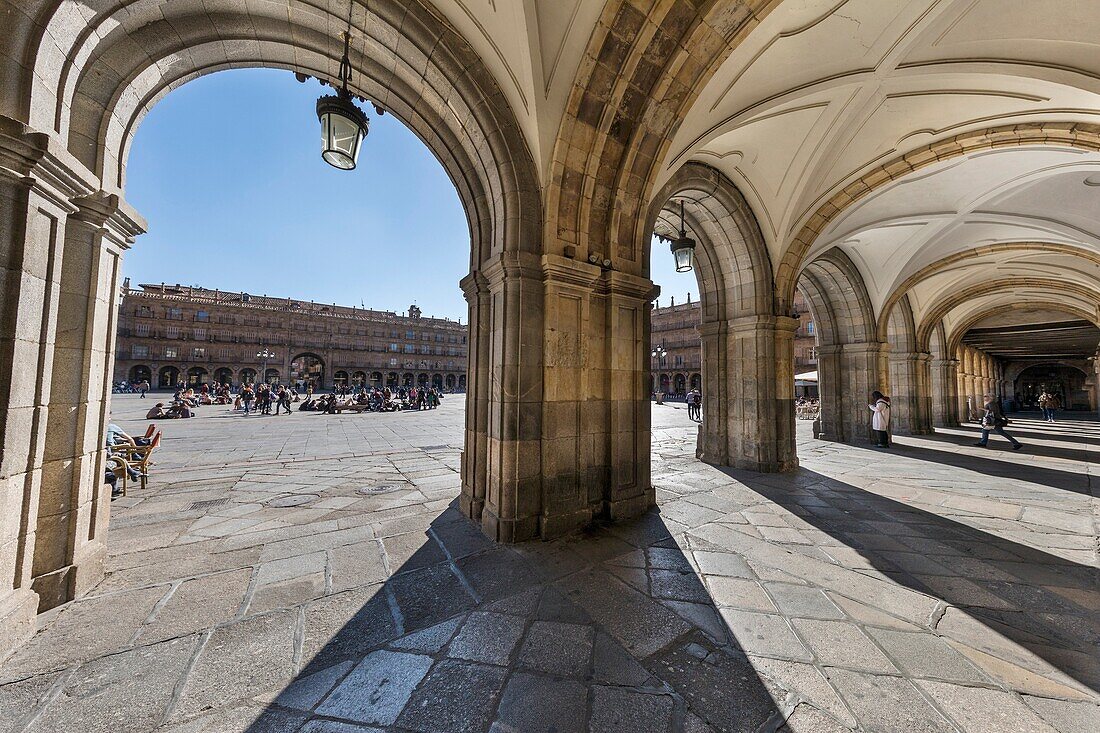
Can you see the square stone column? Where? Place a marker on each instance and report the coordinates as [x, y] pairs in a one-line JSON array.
[[748, 377], [37, 180], [74, 504], [910, 400], [864, 370], [945, 392], [830, 388], [508, 386]]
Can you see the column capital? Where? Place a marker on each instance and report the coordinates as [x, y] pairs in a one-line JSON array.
[[41, 162], [109, 212], [865, 347], [941, 363]]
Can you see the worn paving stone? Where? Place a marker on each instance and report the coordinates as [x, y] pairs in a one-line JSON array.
[[378, 688], [1066, 716], [617, 710], [198, 604], [557, 648], [122, 693], [981, 710], [429, 596], [888, 704], [19, 699], [238, 661], [764, 634], [803, 601], [114, 619], [247, 718], [721, 688], [806, 719], [842, 644], [740, 593], [487, 637], [306, 691], [346, 626], [922, 655], [455, 697], [536, 704]]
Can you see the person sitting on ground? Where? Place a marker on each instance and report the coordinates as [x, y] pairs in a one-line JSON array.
[[156, 412]]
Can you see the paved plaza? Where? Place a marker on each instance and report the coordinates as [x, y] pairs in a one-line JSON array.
[[311, 574]]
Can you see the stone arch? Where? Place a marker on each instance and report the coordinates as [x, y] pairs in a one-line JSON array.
[[956, 298], [1079, 135], [139, 373], [752, 423], [104, 63], [985, 250], [955, 336], [909, 372], [850, 360]]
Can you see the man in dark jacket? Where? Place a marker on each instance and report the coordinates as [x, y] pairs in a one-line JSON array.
[[994, 421]]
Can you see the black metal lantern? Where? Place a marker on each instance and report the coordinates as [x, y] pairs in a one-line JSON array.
[[683, 248], [343, 125]]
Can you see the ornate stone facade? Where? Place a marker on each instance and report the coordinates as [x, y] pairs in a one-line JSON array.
[[172, 334]]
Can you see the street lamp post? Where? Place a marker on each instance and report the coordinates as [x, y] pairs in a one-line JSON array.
[[265, 355], [658, 355]]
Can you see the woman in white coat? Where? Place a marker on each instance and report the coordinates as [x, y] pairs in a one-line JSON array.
[[880, 420]]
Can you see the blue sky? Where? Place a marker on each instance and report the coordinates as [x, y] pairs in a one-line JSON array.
[[227, 170]]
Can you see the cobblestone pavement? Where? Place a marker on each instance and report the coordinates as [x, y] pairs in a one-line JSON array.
[[310, 574]]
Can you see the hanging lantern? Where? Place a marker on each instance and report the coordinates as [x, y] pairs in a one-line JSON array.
[[683, 247], [343, 125]]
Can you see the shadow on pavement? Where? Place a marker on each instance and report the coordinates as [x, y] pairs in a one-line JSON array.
[[613, 630], [1009, 588]]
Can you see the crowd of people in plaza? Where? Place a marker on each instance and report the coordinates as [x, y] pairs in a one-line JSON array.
[[276, 399]]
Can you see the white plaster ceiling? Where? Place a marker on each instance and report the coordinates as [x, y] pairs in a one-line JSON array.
[[533, 48], [824, 91]]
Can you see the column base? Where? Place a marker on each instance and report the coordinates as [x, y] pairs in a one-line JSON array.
[[72, 581], [508, 530], [18, 610], [631, 507], [470, 507]]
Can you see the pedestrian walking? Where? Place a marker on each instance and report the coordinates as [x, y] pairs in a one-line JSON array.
[[247, 395], [994, 421], [880, 420], [695, 404]]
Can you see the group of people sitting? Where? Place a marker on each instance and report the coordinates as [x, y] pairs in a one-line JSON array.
[[376, 399]]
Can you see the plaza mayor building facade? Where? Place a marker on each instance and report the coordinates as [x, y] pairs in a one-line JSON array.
[[178, 334], [676, 359]]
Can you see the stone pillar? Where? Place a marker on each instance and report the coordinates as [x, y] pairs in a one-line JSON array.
[[910, 400], [863, 370], [749, 366], [830, 388], [502, 465], [37, 181], [712, 444], [558, 423], [945, 392], [74, 503]]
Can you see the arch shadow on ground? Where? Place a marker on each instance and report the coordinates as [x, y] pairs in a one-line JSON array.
[[1019, 593], [610, 631]]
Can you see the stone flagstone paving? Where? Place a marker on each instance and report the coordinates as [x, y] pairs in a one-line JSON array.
[[310, 574]]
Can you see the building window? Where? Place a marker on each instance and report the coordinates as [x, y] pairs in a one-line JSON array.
[[813, 353], [810, 328], [410, 349], [410, 335], [198, 353], [394, 348], [145, 312], [393, 361], [175, 314], [142, 329], [171, 352], [202, 316], [138, 351], [679, 360], [200, 334], [172, 332]]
